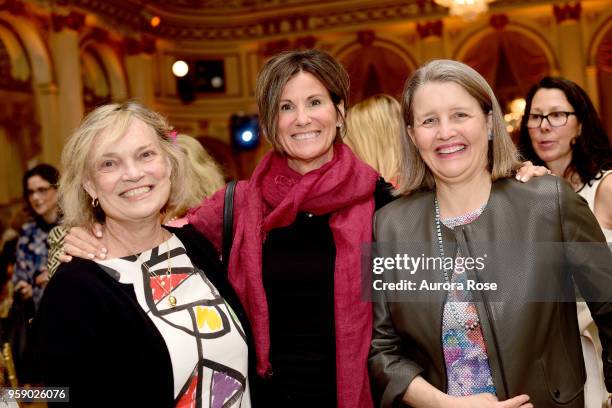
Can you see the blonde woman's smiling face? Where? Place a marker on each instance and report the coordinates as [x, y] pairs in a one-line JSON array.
[[131, 177]]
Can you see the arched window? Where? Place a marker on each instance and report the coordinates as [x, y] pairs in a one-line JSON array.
[[96, 86], [510, 61], [375, 69], [19, 124]]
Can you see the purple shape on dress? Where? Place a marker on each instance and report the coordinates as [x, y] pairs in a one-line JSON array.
[[223, 388]]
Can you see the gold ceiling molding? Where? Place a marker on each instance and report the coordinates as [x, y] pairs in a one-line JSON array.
[[199, 20], [228, 7]]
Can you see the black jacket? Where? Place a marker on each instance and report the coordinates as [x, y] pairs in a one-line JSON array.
[[92, 335]]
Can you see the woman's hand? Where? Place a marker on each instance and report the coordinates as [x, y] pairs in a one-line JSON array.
[[42, 278], [24, 289], [490, 401], [528, 171], [421, 394], [83, 244]]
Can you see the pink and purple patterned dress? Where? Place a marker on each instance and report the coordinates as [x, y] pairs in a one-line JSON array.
[[465, 351]]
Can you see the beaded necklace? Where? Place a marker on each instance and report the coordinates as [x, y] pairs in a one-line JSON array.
[[455, 221]]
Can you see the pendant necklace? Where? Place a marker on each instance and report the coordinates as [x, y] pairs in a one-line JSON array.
[[167, 277], [467, 325]]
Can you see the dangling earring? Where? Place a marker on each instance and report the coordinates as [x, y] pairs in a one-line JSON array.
[[490, 134], [95, 202]]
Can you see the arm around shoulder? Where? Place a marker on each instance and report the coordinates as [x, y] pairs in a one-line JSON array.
[[207, 218]]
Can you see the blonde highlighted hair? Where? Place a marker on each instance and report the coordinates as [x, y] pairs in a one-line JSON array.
[[204, 178], [503, 158], [373, 130], [101, 127]]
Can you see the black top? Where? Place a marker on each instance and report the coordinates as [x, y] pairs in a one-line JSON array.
[[93, 336], [298, 276]]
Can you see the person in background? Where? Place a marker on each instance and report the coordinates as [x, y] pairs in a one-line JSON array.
[[30, 274], [561, 130], [373, 132], [207, 179], [8, 244], [517, 345], [7, 261], [40, 194], [156, 323], [13, 322]]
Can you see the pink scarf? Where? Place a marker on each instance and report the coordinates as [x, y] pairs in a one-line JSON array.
[[271, 199]]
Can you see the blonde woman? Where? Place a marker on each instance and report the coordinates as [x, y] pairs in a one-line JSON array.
[[206, 178], [374, 128], [202, 180], [156, 323]]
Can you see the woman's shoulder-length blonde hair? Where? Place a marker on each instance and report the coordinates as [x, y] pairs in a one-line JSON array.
[[503, 157], [373, 131], [77, 158]]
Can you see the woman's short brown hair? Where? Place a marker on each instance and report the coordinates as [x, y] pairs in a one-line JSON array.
[[503, 157], [280, 69], [112, 120]]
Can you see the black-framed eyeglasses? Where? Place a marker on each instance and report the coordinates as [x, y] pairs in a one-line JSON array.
[[555, 119], [39, 190]]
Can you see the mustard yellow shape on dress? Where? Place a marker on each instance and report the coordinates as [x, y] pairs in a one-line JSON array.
[[209, 316]]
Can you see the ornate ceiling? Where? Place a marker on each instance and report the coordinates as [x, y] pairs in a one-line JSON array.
[[228, 20]]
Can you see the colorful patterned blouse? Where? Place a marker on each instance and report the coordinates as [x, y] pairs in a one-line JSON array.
[[465, 352], [205, 339], [31, 256]]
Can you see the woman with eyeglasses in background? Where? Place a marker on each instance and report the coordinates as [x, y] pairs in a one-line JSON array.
[[40, 195], [30, 274], [562, 131]]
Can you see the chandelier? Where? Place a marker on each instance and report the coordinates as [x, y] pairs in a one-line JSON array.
[[467, 9]]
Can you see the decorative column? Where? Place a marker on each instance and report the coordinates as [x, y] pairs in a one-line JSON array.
[[139, 65], [430, 34], [52, 137], [570, 42], [64, 44]]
